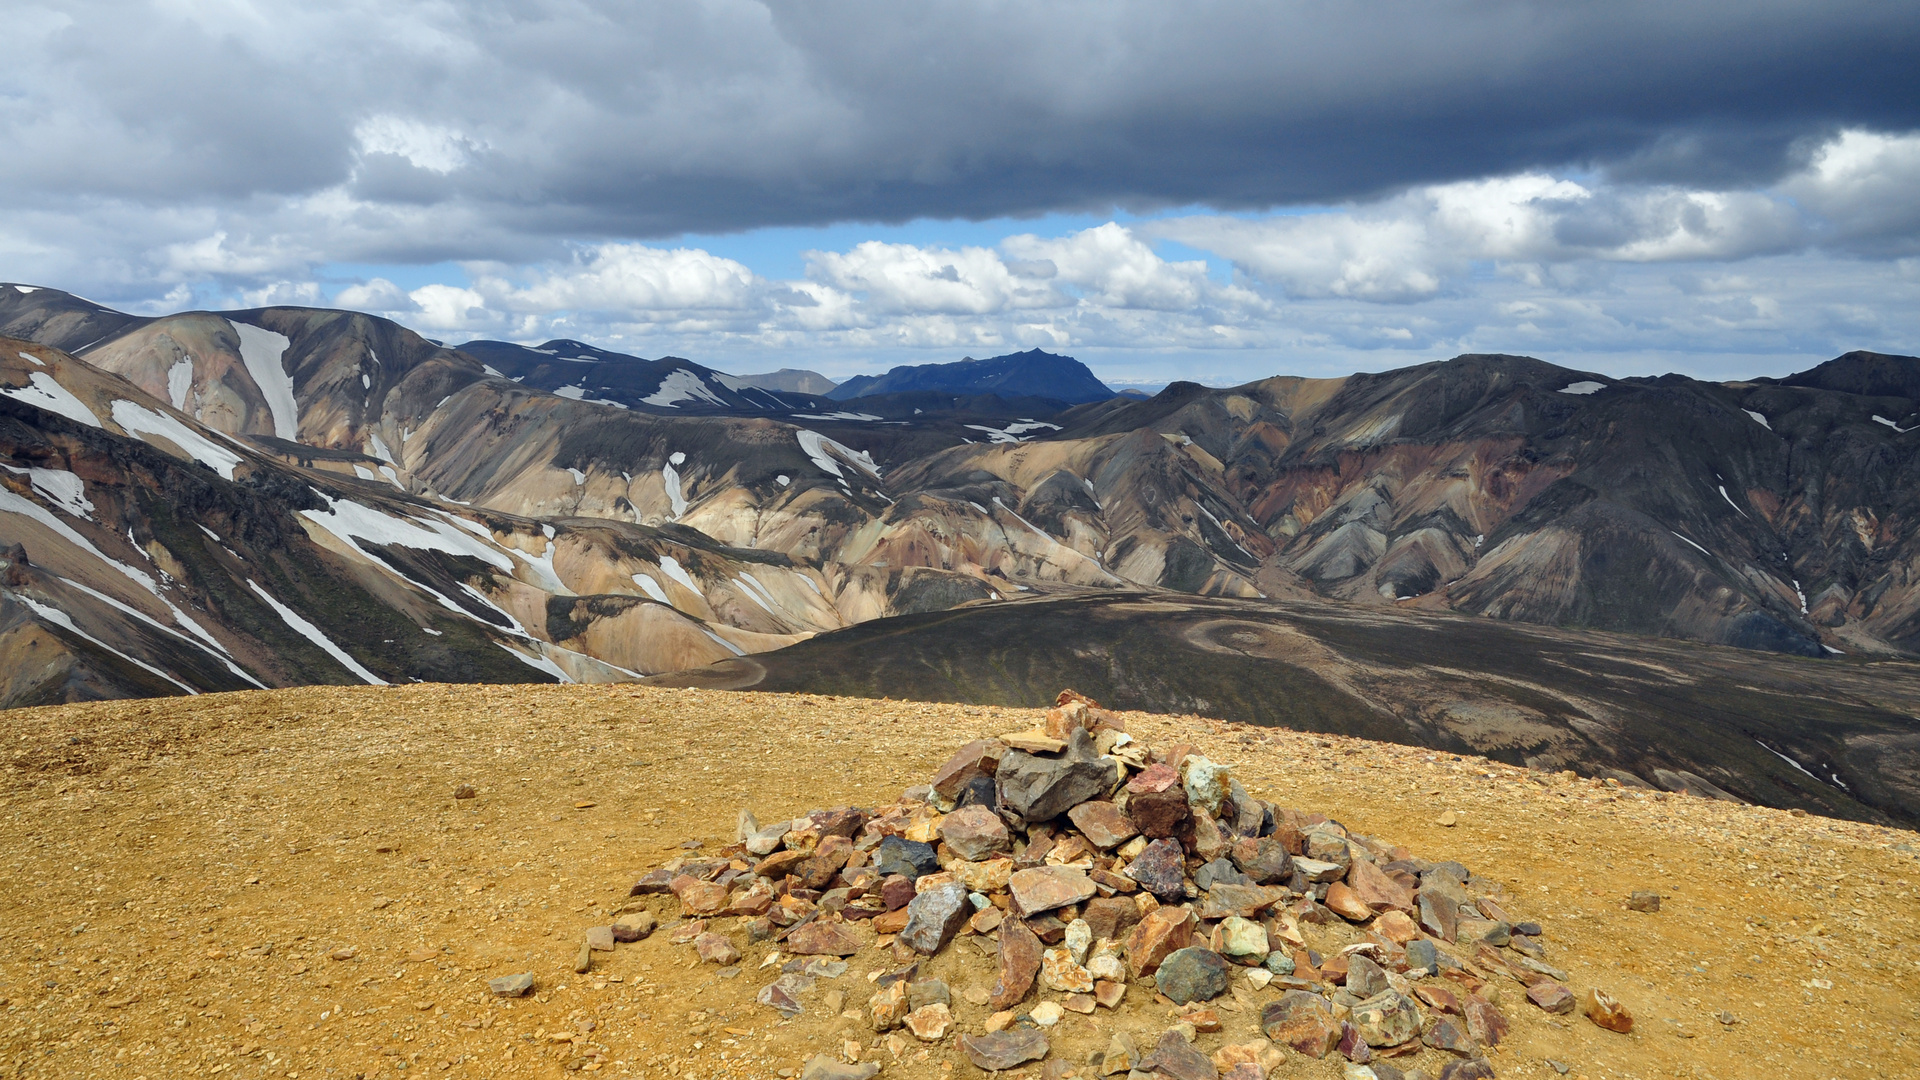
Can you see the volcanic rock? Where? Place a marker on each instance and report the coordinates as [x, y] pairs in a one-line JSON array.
[[1020, 958], [979, 758], [1264, 859], [1605, 1010], [1161, 870], [1387, 1019], [1175, 1057], [1039, 788], [1103, 824], [935, 916], [1002, 1050], [511, 985], [820, 938], [1162, 932], [1044, 888], [975, 833], [1160, 814], [910, 859], [1303, 1020], [1551, 996], [1192, 974]]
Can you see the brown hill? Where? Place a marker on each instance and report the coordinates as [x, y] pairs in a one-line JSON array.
[[183, 874]]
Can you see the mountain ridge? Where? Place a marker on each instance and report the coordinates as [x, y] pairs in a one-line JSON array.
[[1033, 373]]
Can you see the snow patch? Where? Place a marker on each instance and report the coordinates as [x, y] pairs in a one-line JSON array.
[[538, 663], [264, 351], [816, 446], [652, 589], [724, 643], [60, 618], [571, 393], [63, 489], [682, 385], [579, 478], [32, 359], [352, 522], [783, 479], [488, 368], [366, 381], [670, 476], [25, 289], [1831, 649], [1878, 419], [1730, 502], [180, 382], [1758, 419], [865, 417], [1696, 547], [1797, 591], [42, 392], [672, 568], [1585, 386], [312, 633], [392, 477], [138, 420], [676, 458], [379, 448], [210, 646]]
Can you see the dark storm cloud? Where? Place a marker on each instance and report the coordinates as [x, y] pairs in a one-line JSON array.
[[581, 119]]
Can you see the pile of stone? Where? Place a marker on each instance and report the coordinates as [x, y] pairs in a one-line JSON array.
[[1092, 867]]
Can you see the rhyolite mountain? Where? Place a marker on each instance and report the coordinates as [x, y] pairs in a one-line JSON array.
[[574, 369], [1031, 374], [1773, 514], [792, 380]]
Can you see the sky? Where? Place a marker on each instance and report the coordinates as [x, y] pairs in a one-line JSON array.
[[1212, 190]]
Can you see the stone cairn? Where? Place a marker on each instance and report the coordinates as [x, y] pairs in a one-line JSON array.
[[1092, 866]]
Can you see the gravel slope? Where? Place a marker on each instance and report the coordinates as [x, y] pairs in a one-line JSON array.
[[180, 873]]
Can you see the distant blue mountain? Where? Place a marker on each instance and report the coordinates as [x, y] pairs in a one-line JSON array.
[[1033, 373]]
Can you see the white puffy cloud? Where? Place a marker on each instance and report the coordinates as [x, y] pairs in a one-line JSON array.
[[907, 279]]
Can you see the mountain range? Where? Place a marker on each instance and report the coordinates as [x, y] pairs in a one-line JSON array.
[[208, 501]]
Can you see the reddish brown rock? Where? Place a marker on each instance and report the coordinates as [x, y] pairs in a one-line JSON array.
[[1302, 1020], [700, 897], [820, 868], [975, 832], [1161, 870], [1110, 916], [1044, 888], [980, 757], [1446, 1035], [1438, 914], [1438, 997], [1108, 994], [1176, 1059], [1372, 887], [1342, 902], [1605, 1010], [1160, 814], [1102, 824], [1551, 996], [1161, 933], [781, 863], [822, 938], [1264, 859], [1020, 954], [716, 949], [1485, 1022], [1154, 778], [897, 892], [1396, 927], [891, 922]]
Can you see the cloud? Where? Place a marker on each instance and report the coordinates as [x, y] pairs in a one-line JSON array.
[[555, 122], [1858, 195]]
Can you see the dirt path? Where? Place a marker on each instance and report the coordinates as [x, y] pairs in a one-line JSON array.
[[181, 873]]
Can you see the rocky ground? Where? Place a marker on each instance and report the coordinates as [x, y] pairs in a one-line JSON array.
[[283, 884]]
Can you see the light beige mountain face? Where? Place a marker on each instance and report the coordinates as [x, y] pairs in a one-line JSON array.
[[143, 552]]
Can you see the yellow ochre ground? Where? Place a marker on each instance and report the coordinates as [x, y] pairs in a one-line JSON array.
[[182, 873]]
